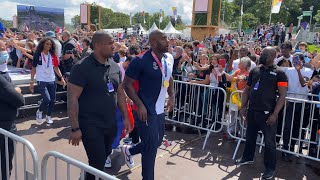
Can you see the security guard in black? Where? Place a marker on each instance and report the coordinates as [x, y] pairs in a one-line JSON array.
[[264, 83]]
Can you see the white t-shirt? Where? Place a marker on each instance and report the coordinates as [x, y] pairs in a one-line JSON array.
[[163, 92], [123, 59], [45, 72], [122, 71], [294, 86], [235, 65]]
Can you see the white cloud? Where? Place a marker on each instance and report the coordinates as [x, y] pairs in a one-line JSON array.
[[71, 7]]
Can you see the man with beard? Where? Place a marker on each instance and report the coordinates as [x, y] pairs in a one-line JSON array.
[[264, 83], [153, 72]]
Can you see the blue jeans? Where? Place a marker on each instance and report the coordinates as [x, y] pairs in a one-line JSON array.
[[116, 141], [48, 93], [151, 134]]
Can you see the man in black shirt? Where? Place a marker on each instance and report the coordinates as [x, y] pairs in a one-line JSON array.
[[265, 82], [10, 100], [94, 91], [69, 52]]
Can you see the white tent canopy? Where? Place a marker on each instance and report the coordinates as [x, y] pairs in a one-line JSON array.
[[153, 27], [170, 30], [144, 32]]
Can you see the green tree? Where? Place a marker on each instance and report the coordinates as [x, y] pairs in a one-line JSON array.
[[290, 10], [6, 23], [180, 27], [317, 17], [111, 19], [75, 21], [249, 21]]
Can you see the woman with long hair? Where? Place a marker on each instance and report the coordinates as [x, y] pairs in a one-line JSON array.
[[44, 66]]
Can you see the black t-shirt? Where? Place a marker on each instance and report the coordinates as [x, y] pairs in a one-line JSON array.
[[69, 47], [263, 95], [97, 106], [175, 66]]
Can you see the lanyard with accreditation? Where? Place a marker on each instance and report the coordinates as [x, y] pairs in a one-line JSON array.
[[163, 72]]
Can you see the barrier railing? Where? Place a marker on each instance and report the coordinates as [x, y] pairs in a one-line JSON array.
[[70, 161], [298, 126], [199, 106], [10, 144]]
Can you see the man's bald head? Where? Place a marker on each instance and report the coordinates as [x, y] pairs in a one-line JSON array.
[[271, 51], [158, 41], [155, 35], [268, 55], [99, 37]]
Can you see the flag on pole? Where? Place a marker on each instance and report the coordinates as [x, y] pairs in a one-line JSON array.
[[241, 9], [175, 12], [144, 19], [161, 15], [130, 19], [161, 18], [276, 5]]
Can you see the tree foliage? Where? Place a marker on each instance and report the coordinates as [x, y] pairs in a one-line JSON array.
[[111, 19], [75, 21], [290, 10], [6, 23], [317, 17]]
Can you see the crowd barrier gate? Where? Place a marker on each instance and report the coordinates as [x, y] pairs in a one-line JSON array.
[[304, 143], [199, 106], [70, 161], [26, 144]]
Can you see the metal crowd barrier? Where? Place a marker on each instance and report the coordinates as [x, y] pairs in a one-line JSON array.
[[70, 161], [11, 140], [304, 142], [199, 106]]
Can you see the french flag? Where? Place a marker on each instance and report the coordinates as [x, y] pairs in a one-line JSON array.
[[59, 30]]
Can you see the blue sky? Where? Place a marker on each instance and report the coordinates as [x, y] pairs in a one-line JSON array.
[[8, 8]]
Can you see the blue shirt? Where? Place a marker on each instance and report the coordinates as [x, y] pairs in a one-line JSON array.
[[151, 90]]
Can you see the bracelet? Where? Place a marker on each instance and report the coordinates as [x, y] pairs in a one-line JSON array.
[[32, 81], [75, 129]]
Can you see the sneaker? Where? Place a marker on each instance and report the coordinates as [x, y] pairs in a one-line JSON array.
[[268, 174], [107, 164], [127, 156], [241, 162], [39, 116], [49, 120]]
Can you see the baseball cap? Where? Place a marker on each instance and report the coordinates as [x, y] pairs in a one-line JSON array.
[[50, 34]]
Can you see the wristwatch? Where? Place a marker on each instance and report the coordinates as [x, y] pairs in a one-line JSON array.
[[75, 129]]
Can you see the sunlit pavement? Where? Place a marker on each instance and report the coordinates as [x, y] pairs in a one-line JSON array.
[[183, 160]]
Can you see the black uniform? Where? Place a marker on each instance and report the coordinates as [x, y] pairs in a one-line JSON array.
[[264, 85], [97, 106]]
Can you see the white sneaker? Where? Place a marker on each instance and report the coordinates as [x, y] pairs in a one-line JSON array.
[[107, 164], [127, 156], [39, 116], [49, 120]]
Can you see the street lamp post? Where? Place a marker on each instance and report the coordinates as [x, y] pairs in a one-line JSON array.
[[311, 9]]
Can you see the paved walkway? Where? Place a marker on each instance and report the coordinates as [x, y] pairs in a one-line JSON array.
[[183, 160]]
